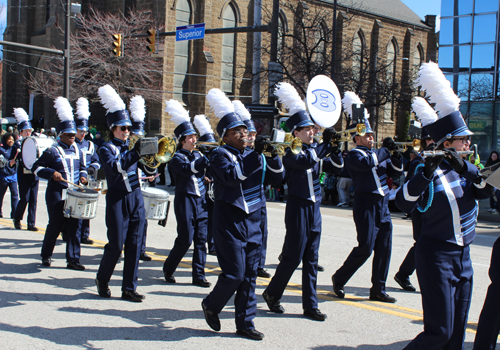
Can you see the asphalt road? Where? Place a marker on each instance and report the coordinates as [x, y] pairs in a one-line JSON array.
[[57, 308]]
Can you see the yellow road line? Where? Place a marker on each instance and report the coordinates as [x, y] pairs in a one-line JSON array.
[[350, 300]]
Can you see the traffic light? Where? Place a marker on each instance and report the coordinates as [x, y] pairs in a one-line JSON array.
[[117, 45], [152, 40]]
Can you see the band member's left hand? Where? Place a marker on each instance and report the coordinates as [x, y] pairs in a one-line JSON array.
[[455, 160], [57, 176], [261, 143], [83, 180], [12, 162], [151, 178], [206, 180]]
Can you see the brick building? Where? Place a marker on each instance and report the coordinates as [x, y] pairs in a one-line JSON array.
[[385, 27]]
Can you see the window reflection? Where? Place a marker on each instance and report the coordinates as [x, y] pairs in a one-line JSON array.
[[483, 57], [454, 58], [481, 124], [485, 6], [446, 35], [483, 28], [456, 7], [481, 87]]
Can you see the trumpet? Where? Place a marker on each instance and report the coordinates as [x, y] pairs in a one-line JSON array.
[[415, 144], [210, 144], [294, 143], [345, 135]]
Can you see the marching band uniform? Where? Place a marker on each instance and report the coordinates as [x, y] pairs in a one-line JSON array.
[[370, 169], [90, 158], [27, 181], [125, 213], [190, 208], [238, 178], [447, 198], [302, 219], [8, 175], [68, 161]]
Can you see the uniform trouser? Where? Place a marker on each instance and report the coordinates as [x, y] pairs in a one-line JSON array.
[[444, 272], [14, 196], [408, 265], [262, 260], [489, 320], [55, 208], [125, 217], [210, 213], [144, 235], [28, 196], [343, 188], [84, 228], [303, 233], [191, 215], [237, 238], [374, 228]]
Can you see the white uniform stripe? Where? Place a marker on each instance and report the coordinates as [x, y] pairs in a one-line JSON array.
[[455, 211], [407, 195]]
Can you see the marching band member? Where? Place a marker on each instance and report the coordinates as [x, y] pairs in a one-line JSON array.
[[125, 213], [240, 109], [190, 208], [8, 173], [137, 109], [302, 215], [90, 157], [422, 111], [61, 163], [207, 135], [369, 170], [238, 174], [27, 181], [445, 192]]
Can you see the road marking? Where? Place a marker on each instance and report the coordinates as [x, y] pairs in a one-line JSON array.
[[350, 300]]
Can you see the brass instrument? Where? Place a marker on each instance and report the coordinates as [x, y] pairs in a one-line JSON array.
[[345, 135], [166, 150], [294, 143], [210, 144], [415, 144]]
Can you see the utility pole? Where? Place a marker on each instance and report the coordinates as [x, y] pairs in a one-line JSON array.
[[273, 65], [334, 41], [67, 32]]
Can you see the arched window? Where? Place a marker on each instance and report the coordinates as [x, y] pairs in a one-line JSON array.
[[281, 35], [390, 75], [319, 45], [181, 59], [357, 56], [228, 46], [418, 55]]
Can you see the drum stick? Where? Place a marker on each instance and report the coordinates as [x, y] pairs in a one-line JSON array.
[[148, 177], [83, 188]]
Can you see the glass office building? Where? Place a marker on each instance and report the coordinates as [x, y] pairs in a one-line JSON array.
[[468, 56]]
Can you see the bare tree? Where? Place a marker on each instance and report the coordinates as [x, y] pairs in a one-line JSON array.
[[93, 63]]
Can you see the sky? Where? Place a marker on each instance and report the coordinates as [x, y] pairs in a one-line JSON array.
[[425, 7]]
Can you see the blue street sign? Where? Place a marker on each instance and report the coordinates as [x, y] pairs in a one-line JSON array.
[[190, 32]]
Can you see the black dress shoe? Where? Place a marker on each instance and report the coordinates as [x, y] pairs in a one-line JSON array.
[[382, 296], [315, 314], [86, 240], [273, 303], [32, 228], [211, 317], [46, 261], [75, 266], [132, 295], [145, 257], [103, 288], [250, 334], [17, 224], [320, 268], [405, 284], [169, 278], [263, 273], [202, 283], [338, 289], [280, 256]]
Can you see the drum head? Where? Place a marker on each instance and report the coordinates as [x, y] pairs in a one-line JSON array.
[[30, 152], [155, 193], [323, 101]]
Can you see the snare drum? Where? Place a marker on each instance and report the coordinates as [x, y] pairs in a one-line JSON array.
[[155, 203], [81, 204], [33, 147]]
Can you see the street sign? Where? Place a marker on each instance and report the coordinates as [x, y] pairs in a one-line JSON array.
[[190, 32]]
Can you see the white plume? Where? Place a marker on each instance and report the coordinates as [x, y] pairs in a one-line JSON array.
[[423, 111], [241, 110], [137, 108], [82, 108], [202, 124], [351, 98], [221, 105], [110, 99], [21, 115], [177, 112], [438, 89], [289, 97], [63, 108]]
